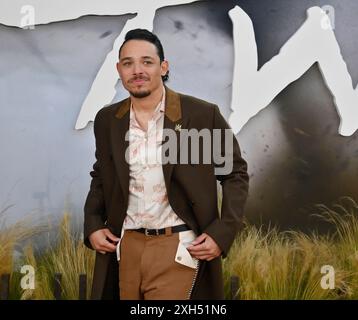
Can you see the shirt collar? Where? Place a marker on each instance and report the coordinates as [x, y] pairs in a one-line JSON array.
[[159, 108]]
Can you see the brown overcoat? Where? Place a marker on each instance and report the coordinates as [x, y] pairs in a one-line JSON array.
[[191, 188]]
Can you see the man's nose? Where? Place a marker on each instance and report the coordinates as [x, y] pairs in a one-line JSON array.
[[137, 68]]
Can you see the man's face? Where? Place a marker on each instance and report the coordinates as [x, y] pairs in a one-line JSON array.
[[140, 69]]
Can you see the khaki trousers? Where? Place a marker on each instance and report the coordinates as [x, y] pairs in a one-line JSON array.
[[148, 270]]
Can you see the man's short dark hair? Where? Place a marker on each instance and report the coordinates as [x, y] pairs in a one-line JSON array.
[[143, 34]]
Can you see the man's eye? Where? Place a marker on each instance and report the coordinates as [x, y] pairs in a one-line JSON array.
[[147, 62], [126, 64]]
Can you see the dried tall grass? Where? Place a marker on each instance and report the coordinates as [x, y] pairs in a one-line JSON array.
[[68, 257], [11, 237], [287, 265], [270, 264]]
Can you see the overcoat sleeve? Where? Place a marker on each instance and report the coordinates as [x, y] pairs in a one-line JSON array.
[[94, 209], [235, 184]]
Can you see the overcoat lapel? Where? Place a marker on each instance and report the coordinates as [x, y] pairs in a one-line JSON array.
[[119, 129], [176, 121], [173, 120]]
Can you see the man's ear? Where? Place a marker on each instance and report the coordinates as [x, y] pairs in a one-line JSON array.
[[164, 67]]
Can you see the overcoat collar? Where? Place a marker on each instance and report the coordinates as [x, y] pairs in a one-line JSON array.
[[119, 142], [172, 106]]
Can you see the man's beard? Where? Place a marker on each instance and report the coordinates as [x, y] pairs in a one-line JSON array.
[[140, 94]]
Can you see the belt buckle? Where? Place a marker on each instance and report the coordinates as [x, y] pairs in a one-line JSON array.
[[146, 232]]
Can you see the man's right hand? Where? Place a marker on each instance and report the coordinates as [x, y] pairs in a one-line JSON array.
[[100, 241]]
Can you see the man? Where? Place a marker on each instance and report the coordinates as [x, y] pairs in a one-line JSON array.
[[157, 222]]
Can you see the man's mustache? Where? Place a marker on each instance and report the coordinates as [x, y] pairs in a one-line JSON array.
[[138, 78]]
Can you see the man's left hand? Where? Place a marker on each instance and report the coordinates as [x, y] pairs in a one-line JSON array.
[[204, 248]]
